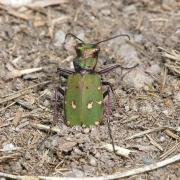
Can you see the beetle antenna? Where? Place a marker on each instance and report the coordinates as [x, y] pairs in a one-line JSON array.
[[113, 38], [70, 34]]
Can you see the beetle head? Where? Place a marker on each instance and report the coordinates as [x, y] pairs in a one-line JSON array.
[[86, 50], [87, 53], [87, 56]]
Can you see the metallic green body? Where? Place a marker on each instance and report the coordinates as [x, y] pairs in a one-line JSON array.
[[83, 99]]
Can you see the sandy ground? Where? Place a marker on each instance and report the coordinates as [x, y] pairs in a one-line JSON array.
[[32, 47]]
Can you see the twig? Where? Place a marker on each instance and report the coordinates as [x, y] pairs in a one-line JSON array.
[[5, 125], [153, 142], [152, 130], [2, 109], [119, 150], [170, 151], [163, 82], [46, 128], [21, 92], [32, 115], [146, 168], [68, 59], [15, 13], [171, 134], [9, 98], [172, 60], [133, 118], [18, 73], [53, 22], [117, 175], [11, 156], [46, 3], [18, 117]]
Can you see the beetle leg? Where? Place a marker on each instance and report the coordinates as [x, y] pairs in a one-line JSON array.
[[63, 75], [108, 69], [60, 90], [106, 83], [64, 72], [105, 93]]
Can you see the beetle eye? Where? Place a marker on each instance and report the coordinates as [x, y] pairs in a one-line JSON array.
[[95, 51]]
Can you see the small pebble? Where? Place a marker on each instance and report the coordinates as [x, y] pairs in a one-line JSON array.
[[166, 112], [27, 155], [154, 69], [137, 79], [162, 138], [46, 103], [86, 130], [92, 161], [97, 155], [9, 147], [127, 108], [75, 173], [77, 151]]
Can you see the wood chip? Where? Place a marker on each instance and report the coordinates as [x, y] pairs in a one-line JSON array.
[[133, 118], [153, 142], [21, 92], [119, 150], [46, 3], [170, 151], [66, 146], [25, 104], [171, 134], [17, 117], [15, 13], [9, 158], [46, 128], [153, 130], [19, 73]]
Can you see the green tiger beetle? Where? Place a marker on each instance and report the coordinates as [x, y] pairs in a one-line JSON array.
[[83, 96]]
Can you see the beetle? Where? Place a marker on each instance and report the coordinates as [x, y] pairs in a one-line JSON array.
[[83, 96]]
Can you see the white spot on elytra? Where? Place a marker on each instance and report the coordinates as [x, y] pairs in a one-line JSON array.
[[99, 87], [65, 102], [90, 105], [99, 102], [73, 104]]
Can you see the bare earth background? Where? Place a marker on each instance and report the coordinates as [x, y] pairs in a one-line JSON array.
[[32, 46]]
